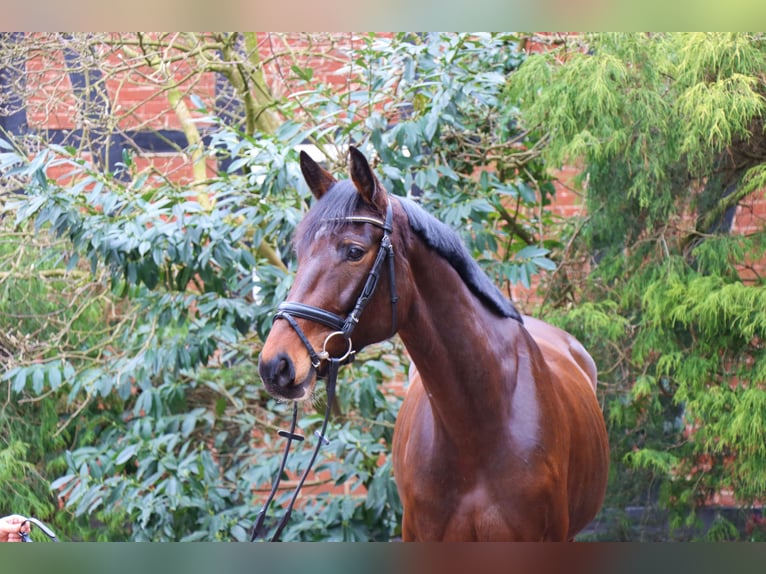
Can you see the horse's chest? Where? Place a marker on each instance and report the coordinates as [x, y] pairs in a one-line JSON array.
[[461, 496], [455, 509]]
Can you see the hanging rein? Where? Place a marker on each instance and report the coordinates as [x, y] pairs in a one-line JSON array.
[[341, 327]]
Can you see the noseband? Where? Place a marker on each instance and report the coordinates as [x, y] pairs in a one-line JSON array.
[[341, 327]]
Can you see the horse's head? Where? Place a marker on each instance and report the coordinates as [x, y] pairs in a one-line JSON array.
[[338, 243]]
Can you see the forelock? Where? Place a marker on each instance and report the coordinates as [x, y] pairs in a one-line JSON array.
[[328, 213]]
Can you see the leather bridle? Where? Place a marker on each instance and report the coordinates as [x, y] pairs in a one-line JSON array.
[[341, 327]]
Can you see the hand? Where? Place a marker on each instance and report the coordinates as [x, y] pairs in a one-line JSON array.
[[10, 526]]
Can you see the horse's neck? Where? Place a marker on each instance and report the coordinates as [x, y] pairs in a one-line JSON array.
[[468, 359]]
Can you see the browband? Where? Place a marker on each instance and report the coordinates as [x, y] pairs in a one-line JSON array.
[[364, 219]]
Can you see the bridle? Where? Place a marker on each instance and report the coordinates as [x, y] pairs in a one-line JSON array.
[[345, 326], [341, 327]]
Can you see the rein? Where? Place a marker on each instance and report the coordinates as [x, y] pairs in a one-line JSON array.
[[25, 536], [291, 435], [340, 326]]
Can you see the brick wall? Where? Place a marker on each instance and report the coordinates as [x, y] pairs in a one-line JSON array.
[[749, 217], [138, 96]]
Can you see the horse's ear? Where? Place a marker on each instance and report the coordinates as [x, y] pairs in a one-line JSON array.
[[365, 181], [318, 179]]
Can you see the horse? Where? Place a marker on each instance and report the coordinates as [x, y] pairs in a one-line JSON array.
[[500, 436]]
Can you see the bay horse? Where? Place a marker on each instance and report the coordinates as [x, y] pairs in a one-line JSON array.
[[500, 435]]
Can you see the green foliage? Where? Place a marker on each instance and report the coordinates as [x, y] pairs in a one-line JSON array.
[[430, 108], [722, 530], [38, 318], [648, 113], [668, 130], [159, 427], [169, 452]]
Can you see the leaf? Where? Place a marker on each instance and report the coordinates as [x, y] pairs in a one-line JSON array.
[[69, 371], [38, 379], [432, 124], [237, 164], [54, 376], [239, 533], [532, 251], [198, 103], [544, 263], [62, 481], [305, 74], [20, 380], [289, 130], [527, 193], [447, 171], [187, 427], [126, 454], [524, 276]]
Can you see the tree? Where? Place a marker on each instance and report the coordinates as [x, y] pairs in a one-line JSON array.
[[163, 429], [668, 133]]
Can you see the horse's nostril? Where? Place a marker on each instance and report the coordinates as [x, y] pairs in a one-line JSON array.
[[284, 375], [278, 372]]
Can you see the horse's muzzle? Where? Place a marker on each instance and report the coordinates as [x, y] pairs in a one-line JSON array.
[[278, 374]]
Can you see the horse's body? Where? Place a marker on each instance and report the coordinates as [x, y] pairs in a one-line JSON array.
[[500, 436], [517, 455]]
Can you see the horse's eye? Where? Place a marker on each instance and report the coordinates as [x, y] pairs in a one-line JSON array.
[[354, 253]]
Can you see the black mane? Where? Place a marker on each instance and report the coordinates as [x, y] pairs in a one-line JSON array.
[[446, 242], [342, 200]]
